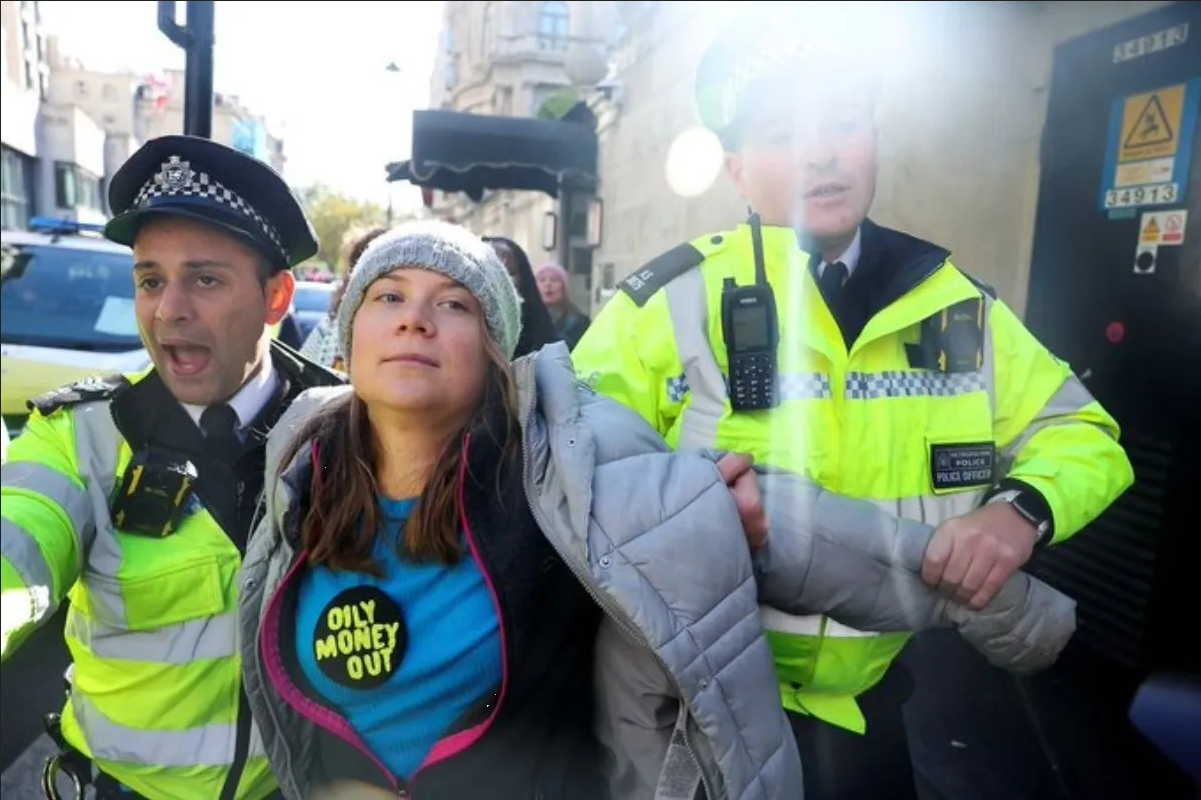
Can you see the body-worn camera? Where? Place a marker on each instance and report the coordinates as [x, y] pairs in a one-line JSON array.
[[154, 494], [952, 340]]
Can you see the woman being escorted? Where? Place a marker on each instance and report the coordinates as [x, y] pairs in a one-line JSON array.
[[444, 541]]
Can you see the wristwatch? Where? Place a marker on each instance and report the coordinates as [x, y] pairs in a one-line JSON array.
[[1029, 508]]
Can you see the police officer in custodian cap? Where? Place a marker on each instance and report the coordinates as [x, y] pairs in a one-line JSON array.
[[866, 359], [134, 494]]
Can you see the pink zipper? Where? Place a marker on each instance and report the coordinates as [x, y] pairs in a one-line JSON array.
[[314, 711], [458, 742], [337, 725]]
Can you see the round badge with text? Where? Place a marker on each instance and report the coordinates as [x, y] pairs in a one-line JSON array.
[[360, 638]]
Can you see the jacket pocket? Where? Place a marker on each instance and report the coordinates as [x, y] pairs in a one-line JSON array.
[[188, 590]]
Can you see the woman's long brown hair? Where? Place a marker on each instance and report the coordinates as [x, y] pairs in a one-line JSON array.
[[342, 517]]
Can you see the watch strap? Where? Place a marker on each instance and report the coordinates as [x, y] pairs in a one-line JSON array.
[[1030, 504]]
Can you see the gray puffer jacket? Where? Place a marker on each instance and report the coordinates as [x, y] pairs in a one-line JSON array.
[[826, 551], [656, 540]]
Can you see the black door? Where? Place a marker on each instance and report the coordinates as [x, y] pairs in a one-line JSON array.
[[1119, 297]]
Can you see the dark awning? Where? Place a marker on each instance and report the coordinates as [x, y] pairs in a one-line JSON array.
[[457, 152]]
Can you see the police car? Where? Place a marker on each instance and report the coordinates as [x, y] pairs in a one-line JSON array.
[[67, 298]]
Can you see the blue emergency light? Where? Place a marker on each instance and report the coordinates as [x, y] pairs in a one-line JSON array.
[[63, 227]]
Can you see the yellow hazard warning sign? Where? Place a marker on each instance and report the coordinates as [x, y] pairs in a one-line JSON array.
[[1162, 228], [1151, 124], [1150, 234]]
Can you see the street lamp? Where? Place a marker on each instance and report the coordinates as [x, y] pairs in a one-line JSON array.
[[392, 69], [196, 39]]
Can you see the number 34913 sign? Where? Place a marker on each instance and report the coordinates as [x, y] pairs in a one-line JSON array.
[[1150, 147]]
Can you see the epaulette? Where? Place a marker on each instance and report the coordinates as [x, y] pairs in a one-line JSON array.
[[646, 281], [103, 387], [983, 286]]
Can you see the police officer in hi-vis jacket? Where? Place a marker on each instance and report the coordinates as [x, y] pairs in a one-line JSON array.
[[824, 343], [134, 495]]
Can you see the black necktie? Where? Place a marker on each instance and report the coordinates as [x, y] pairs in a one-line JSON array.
[[220, 425], [832, 279]]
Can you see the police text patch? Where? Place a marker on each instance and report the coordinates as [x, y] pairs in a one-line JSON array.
[[962, 466], [360, 638]]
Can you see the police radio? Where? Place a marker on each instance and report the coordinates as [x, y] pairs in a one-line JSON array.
[[752, 332]]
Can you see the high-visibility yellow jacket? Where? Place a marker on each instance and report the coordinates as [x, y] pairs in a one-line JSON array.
[[874, 422], [152, 623]]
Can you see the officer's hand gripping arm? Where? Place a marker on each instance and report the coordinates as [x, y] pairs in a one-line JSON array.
[[849, 559], [47, 525], [1050, 432]]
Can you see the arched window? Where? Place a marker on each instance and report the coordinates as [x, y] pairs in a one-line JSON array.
[[552, 27]]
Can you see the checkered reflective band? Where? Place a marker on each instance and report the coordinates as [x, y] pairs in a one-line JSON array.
[[771, 56], [176, 178]]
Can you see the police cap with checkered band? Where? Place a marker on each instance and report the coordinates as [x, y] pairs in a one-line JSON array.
[[778, 54], [197, 178]]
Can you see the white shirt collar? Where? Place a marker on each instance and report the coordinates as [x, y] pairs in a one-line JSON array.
[[250, 399], [849, 257]]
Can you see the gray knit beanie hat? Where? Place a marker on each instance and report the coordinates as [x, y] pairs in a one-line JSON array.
[[447, 249]]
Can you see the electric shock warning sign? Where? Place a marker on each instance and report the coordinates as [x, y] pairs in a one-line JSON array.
[[1150, 147], [360, 638]]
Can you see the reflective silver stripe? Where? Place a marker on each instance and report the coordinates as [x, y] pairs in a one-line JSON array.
[[20, 549], [1071, 398], [836, 630], [182, 643], [688, 304], [775, 620], [257, 748], [98, 448], [207, 745], [988, 369], [933, 509], [106, 600], [30, 476]]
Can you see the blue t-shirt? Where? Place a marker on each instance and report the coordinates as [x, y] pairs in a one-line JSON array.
[[402, 656]]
